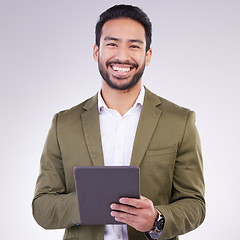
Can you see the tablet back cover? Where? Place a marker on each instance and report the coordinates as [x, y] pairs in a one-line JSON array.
[[98, 187]]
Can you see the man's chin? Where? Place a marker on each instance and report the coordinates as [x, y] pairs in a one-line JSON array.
[[121, 84]]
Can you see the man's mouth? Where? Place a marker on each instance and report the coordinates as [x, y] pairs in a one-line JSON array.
[[121, 69]]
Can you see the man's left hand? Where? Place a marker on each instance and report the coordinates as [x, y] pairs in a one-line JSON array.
[[138, 213]]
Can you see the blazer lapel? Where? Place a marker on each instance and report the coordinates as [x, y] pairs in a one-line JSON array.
[[147, 123], [91, 129]]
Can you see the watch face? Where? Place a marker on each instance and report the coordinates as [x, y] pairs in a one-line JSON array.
[[160, 224]]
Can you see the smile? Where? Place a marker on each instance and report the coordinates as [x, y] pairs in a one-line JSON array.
[[121, 69]]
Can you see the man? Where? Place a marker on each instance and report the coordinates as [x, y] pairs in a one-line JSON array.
[[124, 124]]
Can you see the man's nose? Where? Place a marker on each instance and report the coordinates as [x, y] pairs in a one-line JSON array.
[[123, 54]]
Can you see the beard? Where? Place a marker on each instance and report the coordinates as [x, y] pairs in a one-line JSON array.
[[118, 85]]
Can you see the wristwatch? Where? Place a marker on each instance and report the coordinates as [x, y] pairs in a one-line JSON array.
[[158, 224]]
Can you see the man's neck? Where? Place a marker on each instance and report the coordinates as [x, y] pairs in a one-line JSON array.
[[120, 100]]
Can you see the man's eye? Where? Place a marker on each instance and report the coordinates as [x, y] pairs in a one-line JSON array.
[[134, 46], [112, 44]]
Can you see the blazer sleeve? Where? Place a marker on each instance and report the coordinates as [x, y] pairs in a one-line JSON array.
[[52, 206], [186, 210]]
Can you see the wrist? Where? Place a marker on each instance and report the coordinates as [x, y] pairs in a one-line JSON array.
[[158, 223]]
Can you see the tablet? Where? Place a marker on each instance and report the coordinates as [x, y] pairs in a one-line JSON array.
[[98, 187]]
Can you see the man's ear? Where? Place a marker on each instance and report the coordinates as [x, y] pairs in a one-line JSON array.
[[95, 52], [148, 56]]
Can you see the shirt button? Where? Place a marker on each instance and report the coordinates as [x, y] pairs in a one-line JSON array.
[[119, 236]]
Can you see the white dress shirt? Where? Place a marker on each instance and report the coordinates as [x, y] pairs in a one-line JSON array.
[[118, 134]]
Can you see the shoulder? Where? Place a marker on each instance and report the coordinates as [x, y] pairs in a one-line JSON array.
[[166, 106], [75, 112]]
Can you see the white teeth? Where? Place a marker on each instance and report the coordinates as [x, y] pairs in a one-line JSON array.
[[119, 69]]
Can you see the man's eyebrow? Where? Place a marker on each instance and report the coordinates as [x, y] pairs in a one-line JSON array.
[[111, 38], [118, 40], [136, 41]]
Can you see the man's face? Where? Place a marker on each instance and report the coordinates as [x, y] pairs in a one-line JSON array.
[[122, 53]]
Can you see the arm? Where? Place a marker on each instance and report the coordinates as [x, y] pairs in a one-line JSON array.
[[53, 207], [186, 210]]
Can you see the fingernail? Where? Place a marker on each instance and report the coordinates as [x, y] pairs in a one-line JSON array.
[[113, 214]]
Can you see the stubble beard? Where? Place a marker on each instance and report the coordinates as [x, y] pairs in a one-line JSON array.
[[118, 85]]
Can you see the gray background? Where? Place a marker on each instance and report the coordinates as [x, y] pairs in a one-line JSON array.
[[47, 66]]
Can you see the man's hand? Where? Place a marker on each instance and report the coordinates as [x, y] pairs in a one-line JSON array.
[[138, 213]]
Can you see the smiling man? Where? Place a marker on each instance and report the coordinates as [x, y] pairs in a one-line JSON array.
[[124, 124], [122, 54]]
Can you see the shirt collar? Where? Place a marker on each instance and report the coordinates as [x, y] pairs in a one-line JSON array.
[[139, 100]]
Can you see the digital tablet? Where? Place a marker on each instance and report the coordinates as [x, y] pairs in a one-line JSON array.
[[98, 187]]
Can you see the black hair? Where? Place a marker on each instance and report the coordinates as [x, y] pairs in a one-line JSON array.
[[125, 11]]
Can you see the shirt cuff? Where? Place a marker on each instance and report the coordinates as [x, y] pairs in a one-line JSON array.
[[154, 235]]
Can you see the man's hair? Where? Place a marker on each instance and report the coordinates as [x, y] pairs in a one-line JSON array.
[[125, 11]]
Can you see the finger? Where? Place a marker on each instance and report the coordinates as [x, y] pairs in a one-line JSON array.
[[133, 222], [131, 202], [137, 203], [124, 217], [124, 208]]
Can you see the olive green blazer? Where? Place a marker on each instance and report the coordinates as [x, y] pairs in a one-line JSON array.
[[166, 148]]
